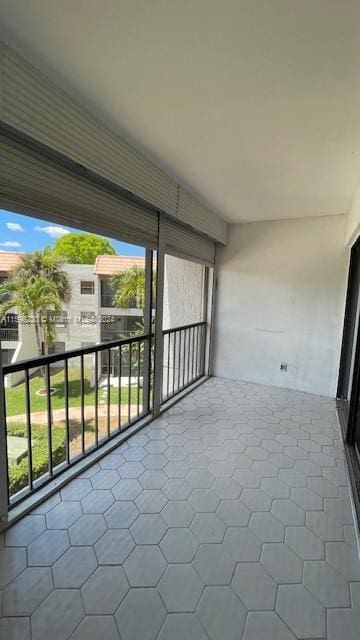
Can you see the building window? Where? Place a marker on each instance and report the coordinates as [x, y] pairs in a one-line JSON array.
[[59, 318], [7, 355], [87, 287], [87, 317], [57, 347]]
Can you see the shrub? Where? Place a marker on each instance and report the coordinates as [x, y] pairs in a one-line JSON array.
[[18, 474]]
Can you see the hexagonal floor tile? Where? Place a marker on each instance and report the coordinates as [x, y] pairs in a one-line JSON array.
[[114, 546], [178, 513], [303, 613], [326, 584], [307, 499], [87, 530], [95, 627], [177, 489], [281, 563], [247, 478], [12, 562], [234, 513], [179, 545], [227, 488], [104, 590], [255, 588], [204, 500], [305, 543], [214, 564], [324, 526], [132, 470], [46, 549], [151, 501], [200, 479], [25, 531], [140, 615], [149, 528], [98, 501], [180, 588], [242, 544], [178, 626], [208, 527], [127, 489], [15, 628], [275, 488], [153, 479], [145, 566], [105, 479], [222, 613], [24, 594], [121, 515], [343, 623], [344, 559], [76, 489], [74, 567], [61, 612], [288, 512], [63, 515], [266, 624], [266, 527]]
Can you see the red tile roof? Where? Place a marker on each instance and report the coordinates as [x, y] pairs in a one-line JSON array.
[[107, 265], [9, 260]]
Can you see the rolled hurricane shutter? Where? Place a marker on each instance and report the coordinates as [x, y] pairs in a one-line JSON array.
[[186, 243], [31, 182]]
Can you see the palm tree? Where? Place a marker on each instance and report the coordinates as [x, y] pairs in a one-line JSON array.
[[37, 287], [33, 301], [129, 287], [44, 264]]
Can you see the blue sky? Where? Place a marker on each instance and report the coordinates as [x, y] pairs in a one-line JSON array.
[[22, 233]]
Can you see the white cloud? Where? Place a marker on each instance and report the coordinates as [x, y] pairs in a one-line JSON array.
[[9, 243], [54, 232], [14, 226]]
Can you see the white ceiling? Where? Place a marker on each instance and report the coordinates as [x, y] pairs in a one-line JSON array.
[[253, 104]]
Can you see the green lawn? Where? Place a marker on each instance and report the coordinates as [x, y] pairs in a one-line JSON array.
[[15, 397]]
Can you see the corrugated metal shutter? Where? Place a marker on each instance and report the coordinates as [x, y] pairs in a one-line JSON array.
[[28, 180], [37, 107], [34, 105], [192, 212], [185, 243]]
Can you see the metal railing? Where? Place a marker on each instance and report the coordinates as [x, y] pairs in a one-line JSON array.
[[61, 407], [9, 335], [64, 407], [184, 357]]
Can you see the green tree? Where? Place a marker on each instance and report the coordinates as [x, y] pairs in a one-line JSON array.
[[33, 302], [82, 248], [45, 264], [129, 287], [38, 286]]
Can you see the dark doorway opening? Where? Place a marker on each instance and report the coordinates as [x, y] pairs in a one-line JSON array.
[[348, 392]]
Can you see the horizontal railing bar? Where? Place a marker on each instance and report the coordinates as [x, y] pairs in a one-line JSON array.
[[184, 326], [40, 361]]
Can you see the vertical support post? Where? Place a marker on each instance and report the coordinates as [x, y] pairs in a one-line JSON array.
[[146, 373], [159, 337], [4, 503], [211, 313]]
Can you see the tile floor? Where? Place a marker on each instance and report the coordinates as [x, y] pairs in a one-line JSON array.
[[228, 518]]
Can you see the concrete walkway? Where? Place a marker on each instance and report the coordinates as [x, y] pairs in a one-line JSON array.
[[40, 417]]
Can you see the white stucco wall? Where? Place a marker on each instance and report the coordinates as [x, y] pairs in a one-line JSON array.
[[352, 231], [183, 292], [280, 298]]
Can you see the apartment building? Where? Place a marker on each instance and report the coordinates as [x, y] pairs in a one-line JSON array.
[[90, 316]]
